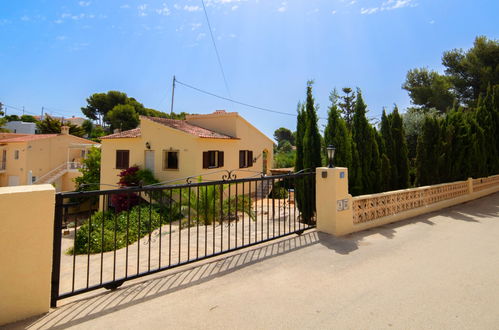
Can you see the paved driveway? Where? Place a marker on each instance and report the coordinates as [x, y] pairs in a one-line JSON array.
[[434, 271]]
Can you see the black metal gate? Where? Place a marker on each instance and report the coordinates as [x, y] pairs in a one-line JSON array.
[[104, 238]]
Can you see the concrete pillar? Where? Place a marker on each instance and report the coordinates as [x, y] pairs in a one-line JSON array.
[[26, 243], [470, 185], [334, 203]]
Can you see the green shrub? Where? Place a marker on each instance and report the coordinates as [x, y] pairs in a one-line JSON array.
[[150, 219], [279, 192]]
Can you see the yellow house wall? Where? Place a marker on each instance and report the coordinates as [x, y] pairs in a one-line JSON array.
[[26, 242], [39, 156], [162, 138]]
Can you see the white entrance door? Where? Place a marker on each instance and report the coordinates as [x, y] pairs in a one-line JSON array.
[[13, 180], [149, 160]]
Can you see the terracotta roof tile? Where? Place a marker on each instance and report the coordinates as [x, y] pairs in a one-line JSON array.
[[26, 138], [133, 133], [184, 126]]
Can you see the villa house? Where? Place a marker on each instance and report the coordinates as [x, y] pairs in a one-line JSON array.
[[41, 158], [200, 145]]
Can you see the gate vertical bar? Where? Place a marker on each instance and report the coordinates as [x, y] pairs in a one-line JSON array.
[[56, 253]]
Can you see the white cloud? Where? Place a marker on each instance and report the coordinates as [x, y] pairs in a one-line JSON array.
[[388, 5], [65, 15], [369, 11], [432, 21], [25, 18], [125, 6], [333, 12], [84, 3], [177, 6], [192, 8], [313, 11], [58, 21], [61, 38], [234, 7], [195, 26], [165, 11], [142, 10], [200, 36], [283, 8]]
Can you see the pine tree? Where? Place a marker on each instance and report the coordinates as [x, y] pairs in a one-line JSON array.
[[347, 107], [368, 153]]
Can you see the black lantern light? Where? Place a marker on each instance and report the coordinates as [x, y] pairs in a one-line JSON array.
[[330, 154]]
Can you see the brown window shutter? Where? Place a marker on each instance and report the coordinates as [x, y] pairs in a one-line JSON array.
[[220, 159], [118, 159], [242, 159], [126, 158], [206, 159], [250, 158]]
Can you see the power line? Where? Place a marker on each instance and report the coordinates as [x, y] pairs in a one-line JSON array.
[[216, 49], [237, 102]]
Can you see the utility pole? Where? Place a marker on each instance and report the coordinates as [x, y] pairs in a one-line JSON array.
[[173, 95], [23, 110], [41, 117]]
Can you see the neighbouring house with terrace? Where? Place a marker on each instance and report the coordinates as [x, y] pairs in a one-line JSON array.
[[201, 145], [42, 158]]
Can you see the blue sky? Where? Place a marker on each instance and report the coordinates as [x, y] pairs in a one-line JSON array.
[[55, 53]]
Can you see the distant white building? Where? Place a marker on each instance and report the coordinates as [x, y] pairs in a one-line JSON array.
[[21, 127]]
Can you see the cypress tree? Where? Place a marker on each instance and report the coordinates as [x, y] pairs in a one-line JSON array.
[[300, 132], [400, 153], [311, 154], [337, 134], [368, 154], [389, 172], [428, 152], [485, 118]]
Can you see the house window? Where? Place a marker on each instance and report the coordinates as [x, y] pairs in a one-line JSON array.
[[16, 154], [213, 159], [82, 154], [170, 160], [122, 159], [245, 158]]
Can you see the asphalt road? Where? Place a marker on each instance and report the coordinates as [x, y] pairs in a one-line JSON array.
[[436, 271]]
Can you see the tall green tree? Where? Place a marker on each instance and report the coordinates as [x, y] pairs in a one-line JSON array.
[[312, 156], [429, 152], [51, 125], [472, 71], [123, 117], [90, 173], [368, 176], [399, 158], [387, 145], [347, 105], [429, 90], [337, 134], [283, 134]]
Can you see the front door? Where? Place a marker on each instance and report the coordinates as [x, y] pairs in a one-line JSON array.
[[149, 160]]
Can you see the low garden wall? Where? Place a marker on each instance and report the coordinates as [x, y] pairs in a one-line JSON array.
[[358, 213]]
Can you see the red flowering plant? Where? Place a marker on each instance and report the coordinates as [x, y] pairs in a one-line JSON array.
[[131, 177]]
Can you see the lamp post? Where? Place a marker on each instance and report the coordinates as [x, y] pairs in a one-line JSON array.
[[330, 155]]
